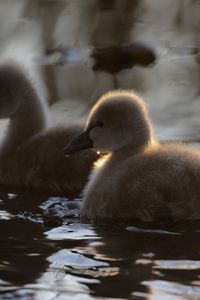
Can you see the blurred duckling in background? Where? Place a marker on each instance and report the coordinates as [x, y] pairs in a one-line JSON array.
[[31, 155], [139, 178]]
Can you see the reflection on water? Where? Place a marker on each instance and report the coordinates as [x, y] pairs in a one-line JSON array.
[[77, 50], [80, 261]]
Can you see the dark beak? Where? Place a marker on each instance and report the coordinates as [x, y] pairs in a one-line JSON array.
[[81, 142]]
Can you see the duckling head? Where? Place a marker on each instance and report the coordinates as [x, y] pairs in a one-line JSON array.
[[117, 120]]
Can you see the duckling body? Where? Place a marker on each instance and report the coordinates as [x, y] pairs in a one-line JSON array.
[[139, 178], [31, 154], [154, 185]]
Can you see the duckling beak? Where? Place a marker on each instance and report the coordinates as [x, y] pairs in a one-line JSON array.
[[81, 142]]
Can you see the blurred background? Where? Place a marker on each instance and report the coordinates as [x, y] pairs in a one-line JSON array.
[[77, 50]]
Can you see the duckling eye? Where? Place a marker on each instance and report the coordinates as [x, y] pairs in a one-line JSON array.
[[99, 124]]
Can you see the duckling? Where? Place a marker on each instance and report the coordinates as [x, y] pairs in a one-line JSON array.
[[31, 154], [139, 178]]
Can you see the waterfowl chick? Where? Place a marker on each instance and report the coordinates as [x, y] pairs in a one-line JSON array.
[[139, 178], [31, 155]]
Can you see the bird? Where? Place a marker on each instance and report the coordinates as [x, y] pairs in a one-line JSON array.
[[31, 152], [138, 178]]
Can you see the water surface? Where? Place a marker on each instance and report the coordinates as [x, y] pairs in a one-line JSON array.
[[46, 253]]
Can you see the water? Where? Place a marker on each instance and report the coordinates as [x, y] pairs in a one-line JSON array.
[[46, 253]]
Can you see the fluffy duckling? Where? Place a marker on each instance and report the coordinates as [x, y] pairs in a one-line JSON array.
[[31, 154], [138, 178]]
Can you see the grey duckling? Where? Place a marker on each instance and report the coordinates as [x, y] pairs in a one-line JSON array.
[[31, 154], [139, 178]]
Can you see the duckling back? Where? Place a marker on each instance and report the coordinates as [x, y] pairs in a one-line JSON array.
[[39, 163]]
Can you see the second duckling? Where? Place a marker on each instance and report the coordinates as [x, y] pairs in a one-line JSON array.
[[31, 154], [139, 178]]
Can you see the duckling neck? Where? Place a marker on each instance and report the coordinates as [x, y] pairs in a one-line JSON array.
[[132, 149], [115, 159], [29, 119]]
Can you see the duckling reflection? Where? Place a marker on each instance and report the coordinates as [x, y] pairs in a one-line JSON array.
[[31, 154], [139, 178]]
